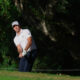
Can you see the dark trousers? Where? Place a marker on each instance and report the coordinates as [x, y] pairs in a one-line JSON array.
[[27, 61]]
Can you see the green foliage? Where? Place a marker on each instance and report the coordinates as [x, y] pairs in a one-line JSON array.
[[4, 7], [62, 6], [7, 11], [61, 19], [37, 13]]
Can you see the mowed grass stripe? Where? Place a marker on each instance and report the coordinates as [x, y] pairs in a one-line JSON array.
[[15, 75]]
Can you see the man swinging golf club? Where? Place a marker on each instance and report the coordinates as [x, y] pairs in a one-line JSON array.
[[26, 47]]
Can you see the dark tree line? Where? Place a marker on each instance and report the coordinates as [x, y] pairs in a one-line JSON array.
[[54, 25]]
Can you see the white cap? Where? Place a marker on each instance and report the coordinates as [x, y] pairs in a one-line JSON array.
[[15, 23]]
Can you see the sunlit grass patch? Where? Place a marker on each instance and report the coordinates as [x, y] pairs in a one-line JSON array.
[[15, 75]]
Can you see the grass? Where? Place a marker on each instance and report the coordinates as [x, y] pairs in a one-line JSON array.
[[15, 75]]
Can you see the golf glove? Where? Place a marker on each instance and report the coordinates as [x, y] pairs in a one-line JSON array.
[[24, 52]]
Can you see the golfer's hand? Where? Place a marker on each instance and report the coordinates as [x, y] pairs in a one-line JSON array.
[[20, 55], [24, 52]]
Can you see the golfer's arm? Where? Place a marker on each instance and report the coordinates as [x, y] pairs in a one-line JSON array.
[[19, 49], [29, 43]]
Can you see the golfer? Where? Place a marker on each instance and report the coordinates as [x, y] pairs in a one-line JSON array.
[[25, 46]]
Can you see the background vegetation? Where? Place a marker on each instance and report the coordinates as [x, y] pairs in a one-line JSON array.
[[54, 25]]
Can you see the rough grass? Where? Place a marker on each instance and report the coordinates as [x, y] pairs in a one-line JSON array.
[[15, 75]]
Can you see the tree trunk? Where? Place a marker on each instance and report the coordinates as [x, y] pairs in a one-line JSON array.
[[45, 30], [19, 4]]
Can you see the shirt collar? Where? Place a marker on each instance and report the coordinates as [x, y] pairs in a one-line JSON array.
[[20, 32]]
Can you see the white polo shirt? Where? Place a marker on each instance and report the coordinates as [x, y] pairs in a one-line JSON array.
[[22, 39]]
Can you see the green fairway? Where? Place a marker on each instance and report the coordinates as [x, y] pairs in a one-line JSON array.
[[15, 75]]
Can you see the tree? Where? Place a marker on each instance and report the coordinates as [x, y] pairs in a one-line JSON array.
[[55, 19], [53, 23], [6, 38]]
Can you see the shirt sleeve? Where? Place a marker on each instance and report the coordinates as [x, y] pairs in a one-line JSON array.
[[28, 33], [16, 41]]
